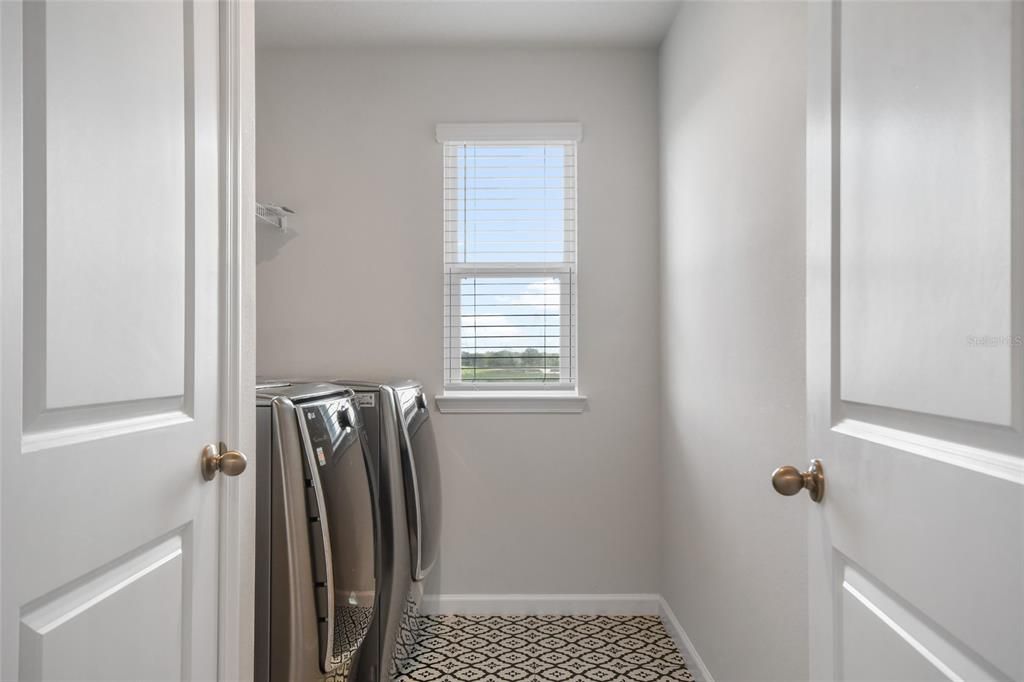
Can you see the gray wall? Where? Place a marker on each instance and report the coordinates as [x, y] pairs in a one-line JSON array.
[[533, 503], [732, 315]]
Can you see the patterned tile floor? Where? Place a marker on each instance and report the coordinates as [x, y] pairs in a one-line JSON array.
[[542, 649]]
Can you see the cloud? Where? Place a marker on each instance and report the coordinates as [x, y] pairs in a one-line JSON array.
[[538, 293]]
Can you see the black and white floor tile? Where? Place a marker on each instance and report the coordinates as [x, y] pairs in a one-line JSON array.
[[351, 623], [542, 649]]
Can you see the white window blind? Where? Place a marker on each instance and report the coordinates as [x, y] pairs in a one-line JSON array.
[[510, 265]]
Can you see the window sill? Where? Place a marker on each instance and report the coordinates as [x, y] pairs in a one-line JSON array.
[[479, 402]]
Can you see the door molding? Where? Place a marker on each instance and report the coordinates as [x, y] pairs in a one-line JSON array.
[[822, 305], [238, 363]]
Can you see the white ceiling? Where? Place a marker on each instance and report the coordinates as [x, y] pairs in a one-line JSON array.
[[327, 23]]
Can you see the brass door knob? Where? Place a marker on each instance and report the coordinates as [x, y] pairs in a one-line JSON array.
[[789, 480], [228, 462]]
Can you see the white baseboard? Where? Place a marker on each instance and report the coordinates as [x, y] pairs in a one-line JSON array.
[[693, 660], [570, 605], [542, 604]]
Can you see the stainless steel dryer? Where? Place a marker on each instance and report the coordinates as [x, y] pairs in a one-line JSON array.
[[316, 533], [399, 432]]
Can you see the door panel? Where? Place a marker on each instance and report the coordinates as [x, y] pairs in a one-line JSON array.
[[878, 625], [925, 110], [99, 145], [914, 339], [55, 630], [111, 330]]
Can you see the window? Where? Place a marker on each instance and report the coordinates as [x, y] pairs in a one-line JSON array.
[[510, 275]]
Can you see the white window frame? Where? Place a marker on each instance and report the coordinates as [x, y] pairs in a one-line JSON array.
[[564, 396]]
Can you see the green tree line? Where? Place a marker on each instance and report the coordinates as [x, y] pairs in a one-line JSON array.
[[528, 358]]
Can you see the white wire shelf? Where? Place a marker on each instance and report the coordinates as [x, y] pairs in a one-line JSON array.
[[276, 216]]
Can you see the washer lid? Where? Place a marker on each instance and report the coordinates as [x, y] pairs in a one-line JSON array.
[[263, 384], [267, 391]]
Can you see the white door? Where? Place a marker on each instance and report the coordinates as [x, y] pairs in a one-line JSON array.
[[915, 323], [112, 320]]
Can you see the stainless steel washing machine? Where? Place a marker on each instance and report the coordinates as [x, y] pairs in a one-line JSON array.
[[400, 435], [317, 533]]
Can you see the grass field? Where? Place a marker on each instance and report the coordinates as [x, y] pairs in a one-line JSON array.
[[508, 374]]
